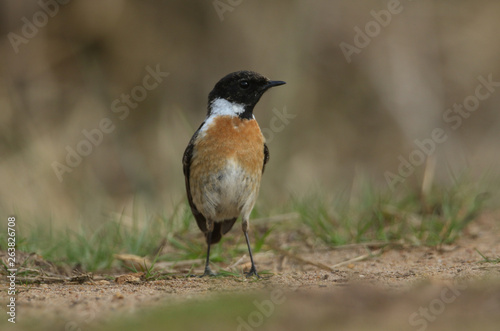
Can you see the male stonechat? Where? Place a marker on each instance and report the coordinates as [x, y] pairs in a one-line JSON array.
[[225, 159]]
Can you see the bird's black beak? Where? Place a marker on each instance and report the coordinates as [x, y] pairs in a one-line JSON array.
[[273, 83]]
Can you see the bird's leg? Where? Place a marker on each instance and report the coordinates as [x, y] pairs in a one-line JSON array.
[[208, 271], [253, 271]]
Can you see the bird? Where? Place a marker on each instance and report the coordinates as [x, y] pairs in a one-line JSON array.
[[225, 159]]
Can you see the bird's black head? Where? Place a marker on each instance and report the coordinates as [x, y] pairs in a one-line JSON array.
[[238, 93]]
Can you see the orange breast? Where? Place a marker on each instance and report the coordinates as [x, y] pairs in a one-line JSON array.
[[231, 137]]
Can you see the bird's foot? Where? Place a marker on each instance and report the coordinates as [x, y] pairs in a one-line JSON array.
[[208, 272], [252, 272]]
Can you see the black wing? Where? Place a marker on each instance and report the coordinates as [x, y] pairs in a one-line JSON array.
[[266, 157], [186, 163]]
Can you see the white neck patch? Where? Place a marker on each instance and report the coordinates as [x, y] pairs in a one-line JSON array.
[[221, 107], [224, 107]]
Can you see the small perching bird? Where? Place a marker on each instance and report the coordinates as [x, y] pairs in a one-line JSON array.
[[224, 160]]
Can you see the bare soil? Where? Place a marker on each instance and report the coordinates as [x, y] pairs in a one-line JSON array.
[[355, 287]]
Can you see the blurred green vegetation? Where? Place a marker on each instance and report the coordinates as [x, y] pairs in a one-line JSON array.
[[367, 216], [410, 218]]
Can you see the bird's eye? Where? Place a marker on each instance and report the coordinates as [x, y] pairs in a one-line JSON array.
[[244, 84]]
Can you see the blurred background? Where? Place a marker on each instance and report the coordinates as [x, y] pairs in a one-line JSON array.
[[145, 68]]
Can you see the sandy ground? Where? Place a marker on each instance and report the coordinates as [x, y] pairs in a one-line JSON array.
[[352, 288]]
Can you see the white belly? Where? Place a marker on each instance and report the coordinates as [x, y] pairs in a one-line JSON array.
[[227, 193]]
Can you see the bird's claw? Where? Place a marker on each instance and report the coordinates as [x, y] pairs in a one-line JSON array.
[[252, 272], [208, 272]]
